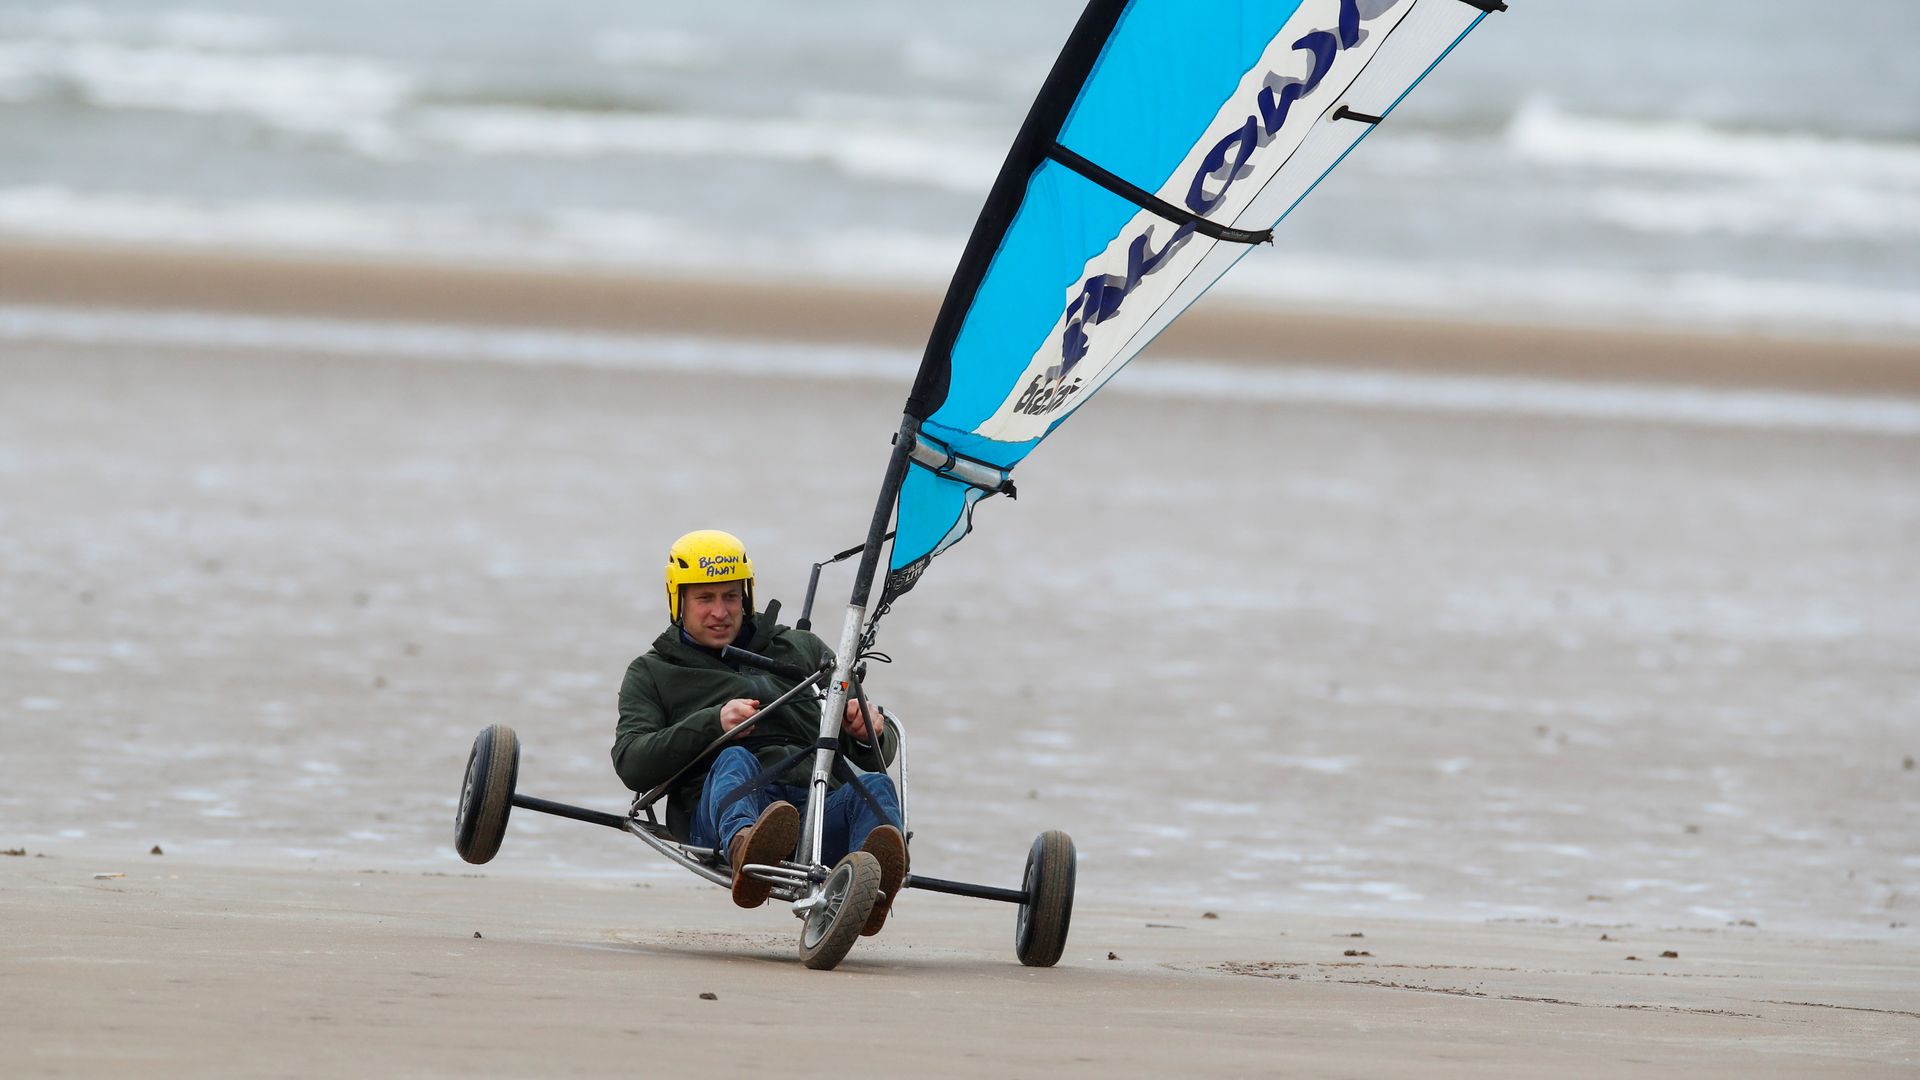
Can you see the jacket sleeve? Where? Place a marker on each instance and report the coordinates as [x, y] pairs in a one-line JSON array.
[[648, 745], [864, 754]]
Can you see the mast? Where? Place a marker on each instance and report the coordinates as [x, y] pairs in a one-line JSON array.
[[835, 706]]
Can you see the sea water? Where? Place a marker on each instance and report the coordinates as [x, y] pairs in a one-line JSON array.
[[1727, 164]]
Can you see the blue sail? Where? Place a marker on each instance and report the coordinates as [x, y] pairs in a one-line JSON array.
[[1170, 137]]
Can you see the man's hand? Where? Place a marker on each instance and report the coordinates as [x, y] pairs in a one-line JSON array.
[[863, 725], [737, 712]]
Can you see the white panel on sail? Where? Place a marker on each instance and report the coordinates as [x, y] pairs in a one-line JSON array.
[[1417, 42]]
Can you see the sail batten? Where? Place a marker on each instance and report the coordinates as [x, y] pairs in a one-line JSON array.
[[1147, 200], [1170, 136]]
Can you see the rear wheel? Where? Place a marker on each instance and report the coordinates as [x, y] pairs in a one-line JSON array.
[[486, 797], [1040, 929], [834, 924]]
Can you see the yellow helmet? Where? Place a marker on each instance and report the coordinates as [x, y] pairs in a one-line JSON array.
[[704, 556]]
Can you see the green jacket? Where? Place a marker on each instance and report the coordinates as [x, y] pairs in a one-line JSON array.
[[670, 712]]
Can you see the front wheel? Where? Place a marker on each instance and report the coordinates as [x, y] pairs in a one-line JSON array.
[[486, 797], [1040, 929], [834, 924]]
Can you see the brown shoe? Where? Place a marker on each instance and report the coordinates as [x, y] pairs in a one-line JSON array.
[[887, 845], [767, 842]]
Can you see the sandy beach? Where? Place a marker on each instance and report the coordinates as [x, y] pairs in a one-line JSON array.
[[1505, 693], [825, 312], [182, 968]]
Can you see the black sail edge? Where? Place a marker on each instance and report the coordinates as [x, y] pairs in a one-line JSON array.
[[1038, 134]]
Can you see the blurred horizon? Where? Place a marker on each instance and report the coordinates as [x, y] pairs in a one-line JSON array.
[[1714, 166]]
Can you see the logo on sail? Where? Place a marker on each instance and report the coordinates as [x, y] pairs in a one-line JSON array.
[[1101, 296]]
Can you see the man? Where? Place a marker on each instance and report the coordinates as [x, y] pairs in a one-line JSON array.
[[682, 695]]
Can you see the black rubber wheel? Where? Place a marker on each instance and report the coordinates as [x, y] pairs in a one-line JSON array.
[[486, 798], [1040, 929], [846, 900]]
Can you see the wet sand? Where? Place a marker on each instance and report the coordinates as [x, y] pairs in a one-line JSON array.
[[1481, 686]]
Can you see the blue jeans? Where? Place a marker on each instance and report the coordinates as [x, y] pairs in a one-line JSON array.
[[844, 826]]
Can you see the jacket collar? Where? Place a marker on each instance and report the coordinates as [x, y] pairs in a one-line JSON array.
[[755, 635]]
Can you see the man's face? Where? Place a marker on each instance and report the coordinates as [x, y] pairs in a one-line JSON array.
[[711, 614]]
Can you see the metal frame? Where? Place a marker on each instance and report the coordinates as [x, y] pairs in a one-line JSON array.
[[793, 882]]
